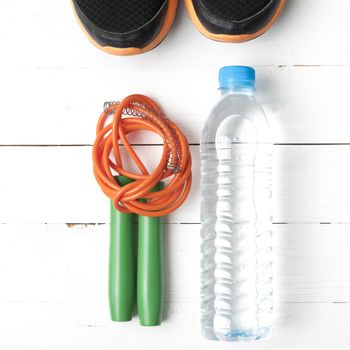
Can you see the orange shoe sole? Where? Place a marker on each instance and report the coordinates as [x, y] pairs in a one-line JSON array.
[[231, 38], [168, 21]]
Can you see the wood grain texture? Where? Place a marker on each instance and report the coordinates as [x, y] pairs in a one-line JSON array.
[[53, 39], [55, 295], [59, 263], [62, 81], [56, 185], [303, 104], [41, 326]]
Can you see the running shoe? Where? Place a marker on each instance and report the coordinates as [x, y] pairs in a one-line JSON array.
[[125, 27], [234, 20]]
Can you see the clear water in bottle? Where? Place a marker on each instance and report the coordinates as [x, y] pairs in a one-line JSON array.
[[236, 214]]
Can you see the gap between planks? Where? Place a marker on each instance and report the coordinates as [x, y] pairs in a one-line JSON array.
[[196, 144]]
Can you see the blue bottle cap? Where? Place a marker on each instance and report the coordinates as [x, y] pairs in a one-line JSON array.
[[237, 77]]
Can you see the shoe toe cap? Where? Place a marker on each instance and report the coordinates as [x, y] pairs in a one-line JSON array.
[[240, 17], [121, 27]]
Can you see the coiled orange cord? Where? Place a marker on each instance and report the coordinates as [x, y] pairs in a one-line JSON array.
[[138, 112]]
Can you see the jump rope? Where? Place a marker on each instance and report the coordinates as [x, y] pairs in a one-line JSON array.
[[149, 195]]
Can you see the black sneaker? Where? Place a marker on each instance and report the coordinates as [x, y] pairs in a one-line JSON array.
[[234, 20], [125, 27]]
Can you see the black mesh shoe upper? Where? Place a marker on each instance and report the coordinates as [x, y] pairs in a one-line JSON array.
[[121, 23], [235, 17]]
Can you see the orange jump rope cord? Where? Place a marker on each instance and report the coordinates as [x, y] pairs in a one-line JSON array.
[[134, 113]]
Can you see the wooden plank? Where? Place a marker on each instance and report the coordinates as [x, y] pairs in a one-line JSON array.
[[61, 264], [55, 40], [56, 185], [39, 326], [66, 103], [53, 94]]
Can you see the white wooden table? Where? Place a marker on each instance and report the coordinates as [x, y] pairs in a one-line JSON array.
[[54, 219]]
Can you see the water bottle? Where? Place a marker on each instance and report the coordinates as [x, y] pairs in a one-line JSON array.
[[236, 214]]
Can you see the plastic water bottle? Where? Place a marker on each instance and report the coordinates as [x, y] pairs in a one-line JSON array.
[[236, 163]]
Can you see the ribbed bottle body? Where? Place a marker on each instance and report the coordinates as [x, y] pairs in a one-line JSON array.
[[236, 217]]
